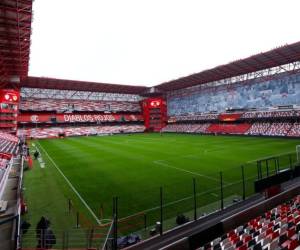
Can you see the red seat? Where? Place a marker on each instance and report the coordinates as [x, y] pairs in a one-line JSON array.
[[243, 247], [247, 238], [234, 240], [293, 244], [275, 235], [291, 232], [269, 231]]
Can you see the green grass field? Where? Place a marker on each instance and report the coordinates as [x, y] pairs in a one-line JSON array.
[[134, 167]]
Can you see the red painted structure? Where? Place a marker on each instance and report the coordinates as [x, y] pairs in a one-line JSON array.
[[229, 128], [155, 113], [9, 104], [230, 117], [76, 118], [15, 32]]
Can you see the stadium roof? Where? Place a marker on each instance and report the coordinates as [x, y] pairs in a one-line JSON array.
[[52, 83], [15, 31], [276, 57]]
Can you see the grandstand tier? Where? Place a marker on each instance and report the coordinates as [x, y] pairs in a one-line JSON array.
[[255, 94], [55, 132], [290, 129], [278, 228], [63, 105]]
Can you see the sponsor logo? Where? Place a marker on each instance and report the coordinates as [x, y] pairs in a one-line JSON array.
[[34, 118], [154, 103]]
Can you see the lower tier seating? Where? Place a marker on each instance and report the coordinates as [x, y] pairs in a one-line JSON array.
[[186, 128], [8, 147], [278, 228], [279, 129], [77, 131], [229, 128], [295, 130], [257, 128], [8, 143]]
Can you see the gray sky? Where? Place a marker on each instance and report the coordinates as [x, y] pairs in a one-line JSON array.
[[147, 42]]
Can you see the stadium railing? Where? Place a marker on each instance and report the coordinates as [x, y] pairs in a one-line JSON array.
[[199, 198]]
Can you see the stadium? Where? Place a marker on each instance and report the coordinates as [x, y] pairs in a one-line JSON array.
[[206, 161]]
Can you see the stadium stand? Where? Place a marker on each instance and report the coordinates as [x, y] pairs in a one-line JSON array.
[[196, 117], [278, 228], [54, 132], [229, 128], [249, 115], [202, 99], [276, 114], [8, 148], [8, 143], [259, 128], [61, 106], [295, 130], [186, 128], [279, 129]]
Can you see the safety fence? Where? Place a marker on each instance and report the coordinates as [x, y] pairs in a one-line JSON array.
[[170, 206]]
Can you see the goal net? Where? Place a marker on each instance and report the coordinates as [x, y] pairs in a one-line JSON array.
[[298, 153]]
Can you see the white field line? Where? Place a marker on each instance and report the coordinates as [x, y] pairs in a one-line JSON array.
[[40, 159], [213, 150], [191, 156], [161, 163], [208, 192], [71, 186], [266, 157]]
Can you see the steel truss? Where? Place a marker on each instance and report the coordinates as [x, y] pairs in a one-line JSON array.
[[262, 75], [15, 32], [76, 95]]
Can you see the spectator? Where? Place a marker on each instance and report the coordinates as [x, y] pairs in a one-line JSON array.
[[41, 228]]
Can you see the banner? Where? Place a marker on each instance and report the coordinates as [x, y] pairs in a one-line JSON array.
[[229, 117], [9, 96], [75, 118]]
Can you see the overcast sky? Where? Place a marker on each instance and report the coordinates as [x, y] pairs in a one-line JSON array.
[[147, 42]]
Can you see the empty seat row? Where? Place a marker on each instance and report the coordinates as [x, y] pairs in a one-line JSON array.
[[229, 128], [278, 228], [186, 128], [77, 131], [270, 114], [257, 128], [62, 105], [245, 115], [8, 143]]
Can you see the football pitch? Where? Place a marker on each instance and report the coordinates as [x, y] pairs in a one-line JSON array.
[[92, 170]]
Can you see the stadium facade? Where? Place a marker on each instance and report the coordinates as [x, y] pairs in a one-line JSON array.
[[255, 96]]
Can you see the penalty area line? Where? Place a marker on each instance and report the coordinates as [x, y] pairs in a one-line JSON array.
[[270, 156], [71, 186], [163, 164]]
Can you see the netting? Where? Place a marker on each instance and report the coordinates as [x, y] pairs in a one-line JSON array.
[[298, 153]]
